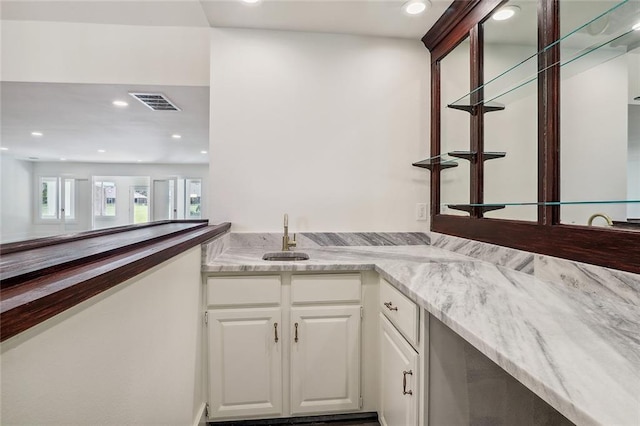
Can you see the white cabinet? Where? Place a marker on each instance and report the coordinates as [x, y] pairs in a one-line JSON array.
[[245, 362], [325, 359], [399, 399], [282, 345], [400, 375]]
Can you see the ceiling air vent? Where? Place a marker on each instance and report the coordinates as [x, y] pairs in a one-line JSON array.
[[155, 101]]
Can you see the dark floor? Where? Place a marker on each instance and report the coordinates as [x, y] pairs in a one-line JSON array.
[[352, 423], [354, 419]]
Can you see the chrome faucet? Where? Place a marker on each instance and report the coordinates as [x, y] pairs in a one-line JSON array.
[[602, 215], [286, 242]]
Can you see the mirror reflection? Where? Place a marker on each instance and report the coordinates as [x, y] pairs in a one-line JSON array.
[[510, 69], [454, 128], [77, 157], [600, 112]]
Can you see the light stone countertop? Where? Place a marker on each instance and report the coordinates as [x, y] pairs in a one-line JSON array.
[[578, 352]]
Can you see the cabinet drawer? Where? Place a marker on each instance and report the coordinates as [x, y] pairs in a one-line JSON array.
[[400, 310], [325, 288], [230, 291]]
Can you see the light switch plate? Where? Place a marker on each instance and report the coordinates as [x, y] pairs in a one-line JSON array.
[[421, 211]]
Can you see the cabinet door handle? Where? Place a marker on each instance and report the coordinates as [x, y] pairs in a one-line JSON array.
[[390, 306], [275, 328], [404, 382], [296, 334]]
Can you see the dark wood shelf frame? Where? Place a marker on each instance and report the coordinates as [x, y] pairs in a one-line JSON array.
[[613, 248]]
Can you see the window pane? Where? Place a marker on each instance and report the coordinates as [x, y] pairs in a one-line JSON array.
[[140, 204], [104, 201], [194, 193], [49, 198], [109, 191], [69, 199]]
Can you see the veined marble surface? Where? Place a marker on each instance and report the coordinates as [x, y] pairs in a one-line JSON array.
[[618, 286], [604, 282], [273, 241], [504, 256], [579, 352]]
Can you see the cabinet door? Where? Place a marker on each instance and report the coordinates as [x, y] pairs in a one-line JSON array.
[[245, 362], [325, 359], [398, 378]]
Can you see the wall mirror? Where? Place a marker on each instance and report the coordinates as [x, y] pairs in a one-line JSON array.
[[455, 130], [600, 112], [510, 127], [73, 161], [553, 131]]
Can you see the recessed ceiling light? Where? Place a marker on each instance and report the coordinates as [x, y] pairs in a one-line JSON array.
[[121, 104], [251, 1], [63, 159], [416, 7], [505, 12], [176, 136], [139, 161], [101, 151], [636, 26], [37, 134], [203, 152], [4, 148]]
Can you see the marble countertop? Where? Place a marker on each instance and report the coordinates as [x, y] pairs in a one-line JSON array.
[[578, 352]]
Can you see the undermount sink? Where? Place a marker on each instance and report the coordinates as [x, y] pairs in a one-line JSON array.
[[285, 256]]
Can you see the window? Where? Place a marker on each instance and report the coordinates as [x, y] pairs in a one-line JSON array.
[[49, 198], [69, 198], [140, 204], [56, 200], [104, 200], [193, 195]]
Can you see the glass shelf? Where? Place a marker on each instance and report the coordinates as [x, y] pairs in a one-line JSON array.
[[547, 203], [626, 14], [445, 161], [472, 156], [449, 160]]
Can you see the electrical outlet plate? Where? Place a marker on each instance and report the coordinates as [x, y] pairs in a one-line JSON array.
[[421, 211]]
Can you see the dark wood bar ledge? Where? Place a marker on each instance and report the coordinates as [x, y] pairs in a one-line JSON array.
[[42, 278]]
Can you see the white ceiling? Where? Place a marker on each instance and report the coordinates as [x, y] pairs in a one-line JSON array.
[[79, 119], [365, 17]]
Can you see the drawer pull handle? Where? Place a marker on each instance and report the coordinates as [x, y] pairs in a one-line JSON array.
[[404, 382], [390, 306], [275, 328], [296, 336]]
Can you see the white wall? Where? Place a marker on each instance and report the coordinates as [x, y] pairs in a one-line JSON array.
[[323, 127], [16, 199], [132, 355], [60, 52]]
